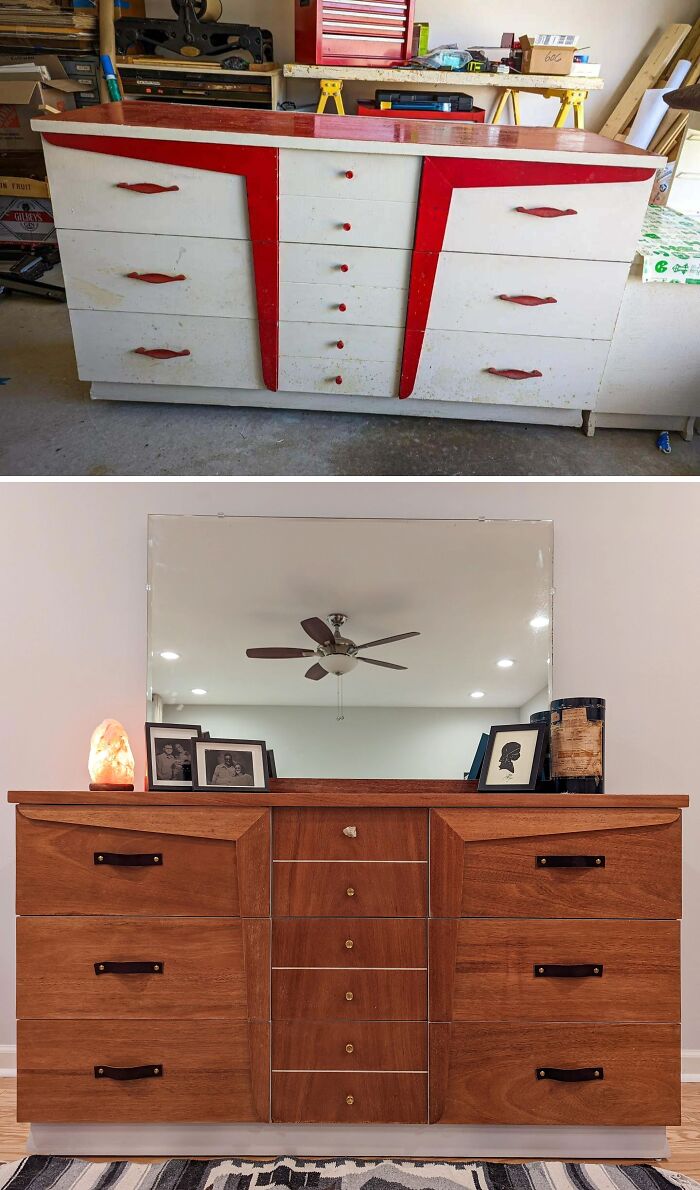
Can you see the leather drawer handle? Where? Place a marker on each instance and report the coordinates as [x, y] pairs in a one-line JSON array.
[[127, 859], [524, 299], [586, 1074], [145, 187], [129, 968], [570, 861], [572, 971], [160, 352], [156, 278], [514, 373], [125, 1074], [545, 212]]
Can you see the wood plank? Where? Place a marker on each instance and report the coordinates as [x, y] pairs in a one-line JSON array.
[[668, 43], [442, 78]]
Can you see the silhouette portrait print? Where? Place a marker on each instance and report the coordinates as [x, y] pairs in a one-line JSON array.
[[509, 753]]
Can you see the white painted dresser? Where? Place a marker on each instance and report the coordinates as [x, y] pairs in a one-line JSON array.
[[294, 261]]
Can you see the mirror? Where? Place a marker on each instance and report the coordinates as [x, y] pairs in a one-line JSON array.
[[479, 593]]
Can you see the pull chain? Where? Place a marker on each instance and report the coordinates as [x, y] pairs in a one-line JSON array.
[[339, 714]]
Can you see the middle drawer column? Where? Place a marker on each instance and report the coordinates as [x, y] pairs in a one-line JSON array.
[[349, 966]]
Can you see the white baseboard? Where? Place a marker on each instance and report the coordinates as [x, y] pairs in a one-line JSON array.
[[8, 1061]]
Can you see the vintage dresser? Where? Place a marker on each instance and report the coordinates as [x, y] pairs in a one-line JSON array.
[[354, 967], [297, 261]]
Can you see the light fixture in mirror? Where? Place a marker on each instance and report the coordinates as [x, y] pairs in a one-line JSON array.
[[250, 607]]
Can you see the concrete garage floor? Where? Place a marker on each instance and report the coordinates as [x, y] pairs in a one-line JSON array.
[[49, 426]]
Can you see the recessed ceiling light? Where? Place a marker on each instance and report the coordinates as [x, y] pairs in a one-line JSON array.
[[539, 621], [505, 663], [198, 690], [477, 694], [168, 655]]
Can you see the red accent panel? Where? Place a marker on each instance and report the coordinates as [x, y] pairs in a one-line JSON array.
[[145, 187], [441, 176], [260, 167], [527, 299], [160, 352], [513, 373], [156, 278], [545, 212]]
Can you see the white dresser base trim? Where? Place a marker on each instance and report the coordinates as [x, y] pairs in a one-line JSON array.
[[394, 1140]]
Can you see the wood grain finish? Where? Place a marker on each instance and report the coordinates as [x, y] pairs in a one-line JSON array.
[[214, 968], [356, 1045], [380, 834], [322, 1098], [321, 889], [486, 1074], [485, 970], [349, 995], [211, 1071], [484, 865], [208, 867], [379, 942]]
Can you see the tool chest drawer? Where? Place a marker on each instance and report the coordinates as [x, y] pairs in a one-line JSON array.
[[527, 295], [320, 264], [500, 369], [349, 889], [350, 834], [555, 1074], [352, 377], [326, 942], [95, 192], [142, 1071], [371, 223], [356, 1045], [585, 222], [332, 1097], [362, 305], [167, 349], [158, 274], [349, 175], [349, 995]]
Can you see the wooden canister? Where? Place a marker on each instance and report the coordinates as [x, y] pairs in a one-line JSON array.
[[577, 736]]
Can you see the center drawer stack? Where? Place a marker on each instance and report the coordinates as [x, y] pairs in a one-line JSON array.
[[349, 966]]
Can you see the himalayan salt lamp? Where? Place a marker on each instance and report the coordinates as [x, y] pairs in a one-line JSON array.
[[111, 763]]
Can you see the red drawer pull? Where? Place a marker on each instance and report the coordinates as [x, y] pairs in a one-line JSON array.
[[342, 307], [156, 278], [160, 352], [545, 212], [513, 373], [345, 268], [145, 187], [347, 227], [527, 299], [340, 345], [339, 379], [349, 175]]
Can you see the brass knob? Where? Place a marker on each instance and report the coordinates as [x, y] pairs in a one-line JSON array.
[[349, 1049], [349, 996], [156, 859], [349, 1099], [350, 892], [350, 831], [349, 943]]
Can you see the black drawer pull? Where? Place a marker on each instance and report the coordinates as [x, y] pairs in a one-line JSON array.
[[572, 971], [118, 859], [129, 968], [570, 861], [587, 1074], [125, 1073]]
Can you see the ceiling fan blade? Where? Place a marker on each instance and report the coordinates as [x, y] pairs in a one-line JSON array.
[[279, 653], [316, 673], [318, 631], [384, 664], [386, 640]]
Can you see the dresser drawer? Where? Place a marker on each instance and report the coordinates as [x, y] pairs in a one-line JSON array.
[[597, 863], [339, 1098], [123, 967], [339, 343], [174, 274], [368, 223], [319, 264], [350, 834], [349, 995], [188, 863], [347, 889], [216, 1071], [490, 1074], [555, 970], [221, 352], [349, 175], [603, 224], [355, 1045], [365, 305], [360, 378], [381, 942], [578, 298], [86, 195]]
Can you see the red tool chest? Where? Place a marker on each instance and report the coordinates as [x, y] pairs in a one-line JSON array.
[[353, 32]]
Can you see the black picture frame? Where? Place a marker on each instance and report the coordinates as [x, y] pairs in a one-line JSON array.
[[174, 731], [478, 761], [256, 748], [504, 730], [271, 763]]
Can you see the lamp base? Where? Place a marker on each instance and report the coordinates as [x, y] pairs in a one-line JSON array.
[[95, 788]]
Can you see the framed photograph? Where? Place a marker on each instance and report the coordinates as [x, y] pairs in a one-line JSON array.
[[513, 758], [169, 753], [473, 774], [233, 766], [271, 765]]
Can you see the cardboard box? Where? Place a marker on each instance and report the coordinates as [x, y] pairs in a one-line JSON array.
[[23, 97], [546, 59], [25, 219]]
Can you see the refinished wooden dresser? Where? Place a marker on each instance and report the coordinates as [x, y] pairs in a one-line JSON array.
[[382, 958]]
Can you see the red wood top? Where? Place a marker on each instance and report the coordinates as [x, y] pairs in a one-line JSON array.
[[303, 126], [380, 794]]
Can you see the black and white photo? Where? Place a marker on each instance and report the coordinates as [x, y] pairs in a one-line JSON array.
[[233, 765], [169, 752], [513, 758]]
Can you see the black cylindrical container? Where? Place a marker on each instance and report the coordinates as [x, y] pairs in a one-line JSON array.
[[544, 779], [577, 735]]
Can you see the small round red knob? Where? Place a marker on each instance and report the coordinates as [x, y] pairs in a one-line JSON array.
[[342, 307], [340, 345], [347, 227], [349, 175], [345, 268], [339, 379]]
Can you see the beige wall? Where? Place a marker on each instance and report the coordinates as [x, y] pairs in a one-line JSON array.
[[626, 626]]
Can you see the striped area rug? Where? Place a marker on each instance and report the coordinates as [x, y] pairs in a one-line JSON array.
[[66, 1173]]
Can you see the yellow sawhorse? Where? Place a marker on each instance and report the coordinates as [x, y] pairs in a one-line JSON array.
[[331, 89], [569, 101]]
